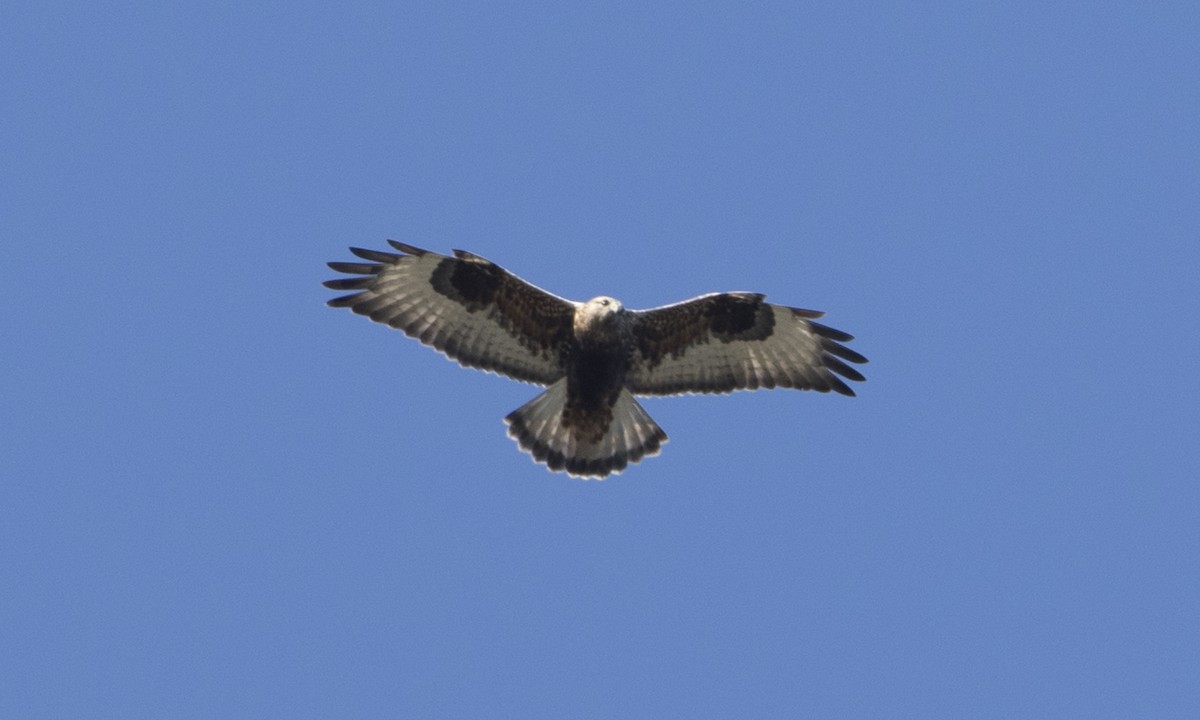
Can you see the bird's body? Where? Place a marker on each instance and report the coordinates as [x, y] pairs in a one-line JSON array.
[[593, 356]]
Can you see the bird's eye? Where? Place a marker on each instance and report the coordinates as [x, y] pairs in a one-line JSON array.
[[604, 303]]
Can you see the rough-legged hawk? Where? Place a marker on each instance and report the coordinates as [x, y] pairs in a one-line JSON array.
[[594, 356]]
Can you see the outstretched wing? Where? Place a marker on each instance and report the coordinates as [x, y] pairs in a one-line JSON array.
[[735, 341], [469, 308]]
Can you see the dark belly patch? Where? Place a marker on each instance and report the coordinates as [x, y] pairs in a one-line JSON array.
[[594, 382]]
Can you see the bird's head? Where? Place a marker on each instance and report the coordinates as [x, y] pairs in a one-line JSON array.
[[597, 314], [603, 306]]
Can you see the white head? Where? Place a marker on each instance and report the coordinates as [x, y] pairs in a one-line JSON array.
[[597, 314], [603, 305]]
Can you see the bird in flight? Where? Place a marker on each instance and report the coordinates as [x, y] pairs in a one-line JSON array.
[[595, 356]]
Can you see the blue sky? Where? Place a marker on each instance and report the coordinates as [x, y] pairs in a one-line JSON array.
[[222, 499]]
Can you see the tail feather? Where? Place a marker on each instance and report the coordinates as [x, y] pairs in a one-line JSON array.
[[539, 429]]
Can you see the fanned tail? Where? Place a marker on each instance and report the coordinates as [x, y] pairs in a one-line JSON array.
[[539, 429]]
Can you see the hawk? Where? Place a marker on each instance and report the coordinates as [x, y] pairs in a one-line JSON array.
[[595, 356]]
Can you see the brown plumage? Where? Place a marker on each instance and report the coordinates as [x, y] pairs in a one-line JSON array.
[[594, 356]]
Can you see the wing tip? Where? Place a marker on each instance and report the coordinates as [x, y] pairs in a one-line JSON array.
[[842, 388], [843, 369], [354, 283], [350, 268], [344, 300], [406, 248], [375, 255], [837, 349], [831, 333]]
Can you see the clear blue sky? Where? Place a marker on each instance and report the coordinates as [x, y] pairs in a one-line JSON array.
[[220, 498]]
